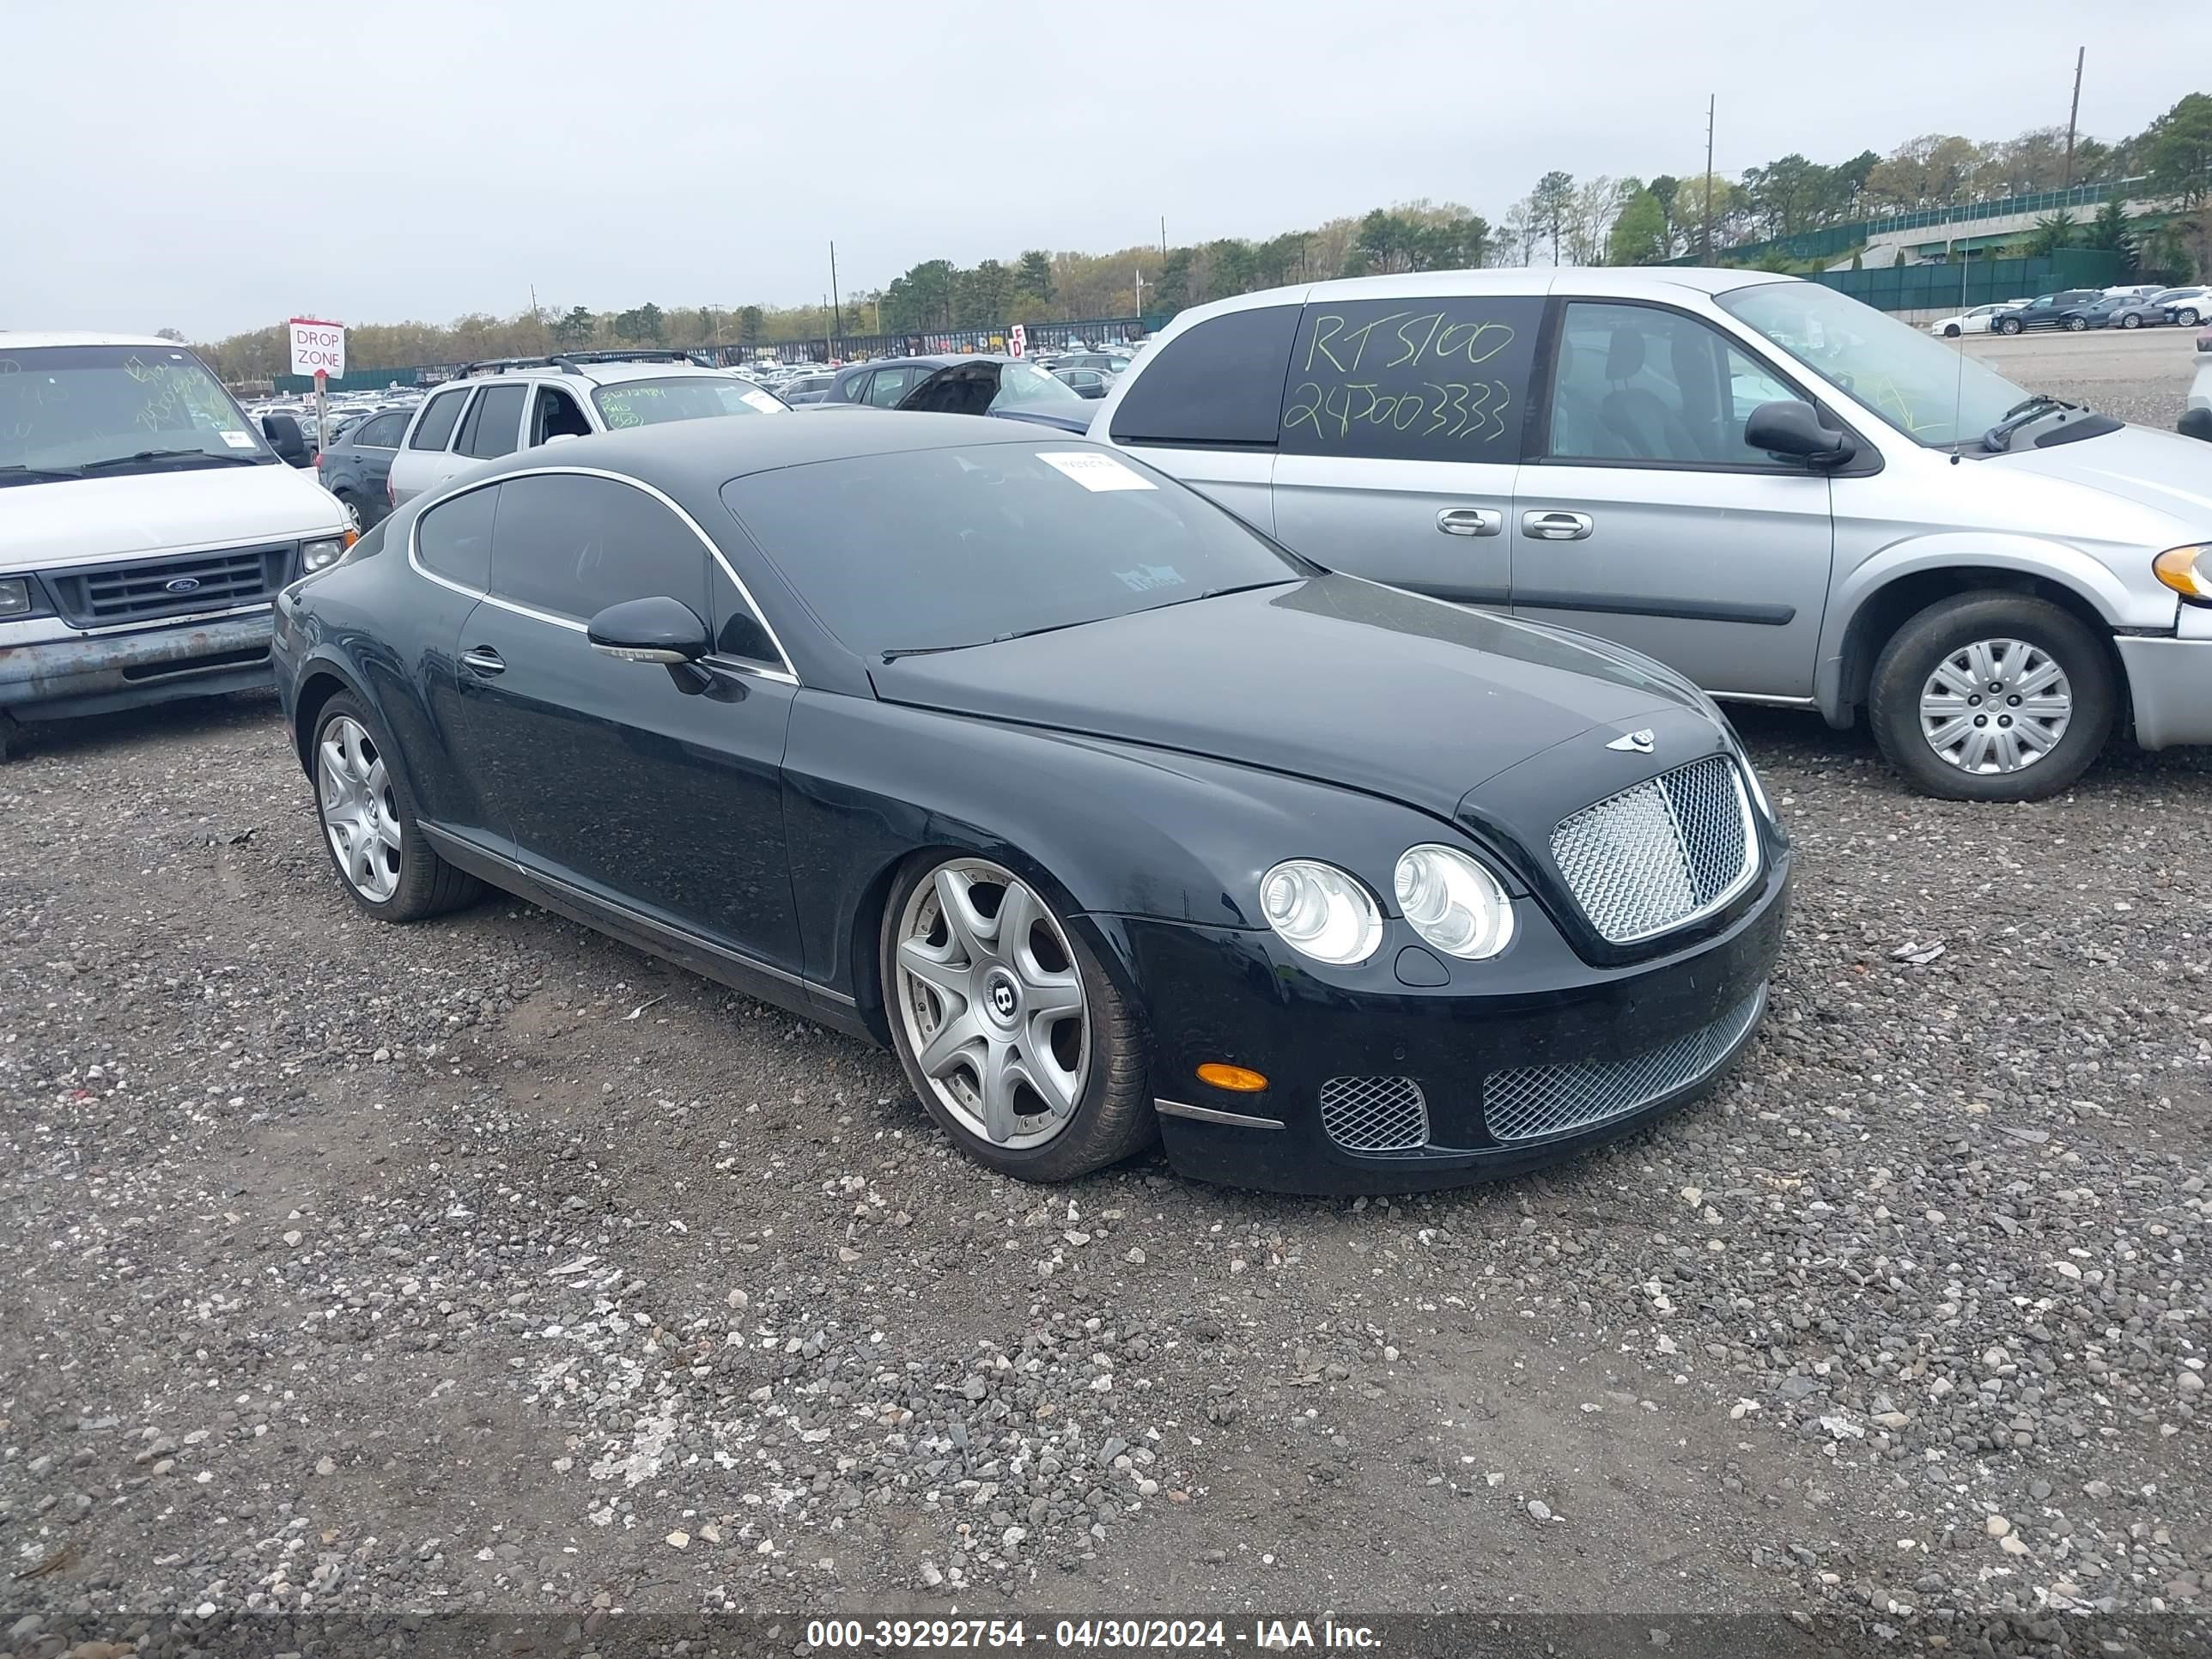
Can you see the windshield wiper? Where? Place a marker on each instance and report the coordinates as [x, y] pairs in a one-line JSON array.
[[168, 455], [38, 474], [894, 654], [2027, 409]]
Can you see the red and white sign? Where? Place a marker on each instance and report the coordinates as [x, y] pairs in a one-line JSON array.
[[1018, 341], [318, 348]]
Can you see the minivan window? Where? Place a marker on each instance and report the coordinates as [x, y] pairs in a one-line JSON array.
[[108, 409], [437, 425], [1928, 390], [1414, 379], [453, 539], [1220, 383], [574, 546], [494, 422], [1639, 384]]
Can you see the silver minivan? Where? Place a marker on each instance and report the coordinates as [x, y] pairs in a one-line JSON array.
[[1788, 495]]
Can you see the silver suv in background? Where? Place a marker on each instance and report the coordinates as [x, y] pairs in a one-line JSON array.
[[1779, 491], [498, 407]]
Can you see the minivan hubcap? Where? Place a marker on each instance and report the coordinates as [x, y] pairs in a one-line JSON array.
[[1995, 706], [360, 815], [992, 1004]]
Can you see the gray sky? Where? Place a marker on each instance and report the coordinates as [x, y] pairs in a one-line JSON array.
[[166, 166]]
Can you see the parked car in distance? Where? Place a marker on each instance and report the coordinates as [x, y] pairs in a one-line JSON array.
[[968, 383], [356, 467], [2103, 312], [2044, 311], [2132, 311], [145, 525], [496, 408], [2187, 306], [1976, 321], [1085, 382], [1786, 495], [1268, 897], [800, 390]]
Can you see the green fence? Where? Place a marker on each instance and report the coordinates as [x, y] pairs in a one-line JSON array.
[[1975, 281]]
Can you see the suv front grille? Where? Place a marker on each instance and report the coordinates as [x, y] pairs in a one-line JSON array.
[[1532, 1101], [99, 595], [1662, 853]]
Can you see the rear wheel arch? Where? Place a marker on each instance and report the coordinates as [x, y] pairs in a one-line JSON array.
[[1890, 606]]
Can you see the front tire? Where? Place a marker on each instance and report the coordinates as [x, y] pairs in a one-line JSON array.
[[2131, 321], [2075, 324], [2008, 325], [367, 819], [1008, 1027], [2186, 317], [1992, 698], [1951, 331]]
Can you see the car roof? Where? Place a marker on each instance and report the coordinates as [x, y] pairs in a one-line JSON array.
[[595, 373], [1666, 282], [28, 339]]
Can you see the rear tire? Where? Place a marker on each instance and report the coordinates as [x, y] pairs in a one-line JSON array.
[[1922, 650], [363, 804], [954, 972], [356, 509]]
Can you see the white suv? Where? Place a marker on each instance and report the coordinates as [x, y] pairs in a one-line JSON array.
[[517, 403]]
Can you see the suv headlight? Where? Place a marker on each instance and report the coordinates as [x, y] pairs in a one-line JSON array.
[[322, 554], [2178, 568], [15, 596], [1320, 911], [1453, 903]]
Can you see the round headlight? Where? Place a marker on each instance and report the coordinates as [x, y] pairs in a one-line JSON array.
[[1453, 903], [1322, 911], [320, 556]]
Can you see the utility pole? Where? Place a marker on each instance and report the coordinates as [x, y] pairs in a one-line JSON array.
[[1140, 290], [1705, 236], [837, 323], [2073, 115], [1163, 239]]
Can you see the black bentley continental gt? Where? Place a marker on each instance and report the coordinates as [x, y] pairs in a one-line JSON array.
[[1112, 817]]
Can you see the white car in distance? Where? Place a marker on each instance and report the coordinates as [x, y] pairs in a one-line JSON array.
[[1976, 321]]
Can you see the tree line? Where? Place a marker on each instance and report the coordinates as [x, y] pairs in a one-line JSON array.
[[1591, 220]]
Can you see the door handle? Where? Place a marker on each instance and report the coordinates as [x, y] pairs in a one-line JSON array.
[[483, 660], [1470, 521], [1555, 526]]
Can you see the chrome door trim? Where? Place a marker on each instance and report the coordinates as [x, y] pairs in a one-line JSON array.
[[786, 673]]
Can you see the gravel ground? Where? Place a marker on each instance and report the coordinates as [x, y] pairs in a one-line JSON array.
[[2139, 375], [490, 1267]]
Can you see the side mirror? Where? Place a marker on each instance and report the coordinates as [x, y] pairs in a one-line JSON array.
[[286, 439], [661, 631], [1788, 426]]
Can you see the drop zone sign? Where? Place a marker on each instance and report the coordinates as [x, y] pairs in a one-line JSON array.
[[318, 348]]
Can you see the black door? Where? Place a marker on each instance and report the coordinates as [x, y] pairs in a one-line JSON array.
[[652, 790]]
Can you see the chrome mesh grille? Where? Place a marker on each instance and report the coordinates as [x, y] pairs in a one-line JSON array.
[[1375, 1114], [1529, 1101], [1661, 854]]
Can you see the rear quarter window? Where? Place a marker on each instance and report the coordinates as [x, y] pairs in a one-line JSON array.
[[453, 539], [1221, 383], [436, 426], [1416, 379]]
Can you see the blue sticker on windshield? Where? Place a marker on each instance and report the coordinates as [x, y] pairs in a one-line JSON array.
[[1146, 577]]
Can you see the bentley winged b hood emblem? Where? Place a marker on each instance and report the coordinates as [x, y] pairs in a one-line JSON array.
[[1634, 743]]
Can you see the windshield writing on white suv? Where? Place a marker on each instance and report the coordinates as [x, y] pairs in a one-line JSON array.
[[114, 409], [680, 397], [1923, 386]]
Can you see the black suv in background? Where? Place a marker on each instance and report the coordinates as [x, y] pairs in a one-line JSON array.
[[2048, 311]]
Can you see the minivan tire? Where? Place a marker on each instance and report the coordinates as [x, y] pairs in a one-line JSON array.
[[427, 885], [1916, 648]]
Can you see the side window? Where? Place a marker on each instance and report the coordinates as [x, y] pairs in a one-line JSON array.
[[574, 545], [493, 423], [455, 538], [1412, 379], [1220, 383], [1634, 383], [738, 632], [381, 433], [553, 414], [889, 385], [437, 425]]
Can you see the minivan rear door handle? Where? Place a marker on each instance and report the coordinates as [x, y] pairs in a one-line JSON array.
[[1555, 526], [1470, 521], [483, 660]]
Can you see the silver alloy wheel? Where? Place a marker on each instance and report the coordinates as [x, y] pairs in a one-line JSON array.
[[360, 815], [1995, 706], [992, 1003]]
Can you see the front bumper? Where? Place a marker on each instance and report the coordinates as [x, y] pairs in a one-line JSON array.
[[2170, 689], [1558, 1056], [94, 673]]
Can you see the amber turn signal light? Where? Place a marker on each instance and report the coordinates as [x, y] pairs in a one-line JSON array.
[[1242, 1078]]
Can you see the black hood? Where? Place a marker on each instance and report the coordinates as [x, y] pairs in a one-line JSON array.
[[1335, 679]]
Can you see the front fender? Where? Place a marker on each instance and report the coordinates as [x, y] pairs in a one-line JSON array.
[[2032, 555]]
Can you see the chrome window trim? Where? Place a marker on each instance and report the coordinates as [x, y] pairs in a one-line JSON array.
[[786, 674]]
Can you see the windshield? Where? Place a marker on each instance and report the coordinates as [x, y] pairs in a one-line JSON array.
[[1020, 383], [1926, 389], [116, 409], [927, 550], [681, 398]]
